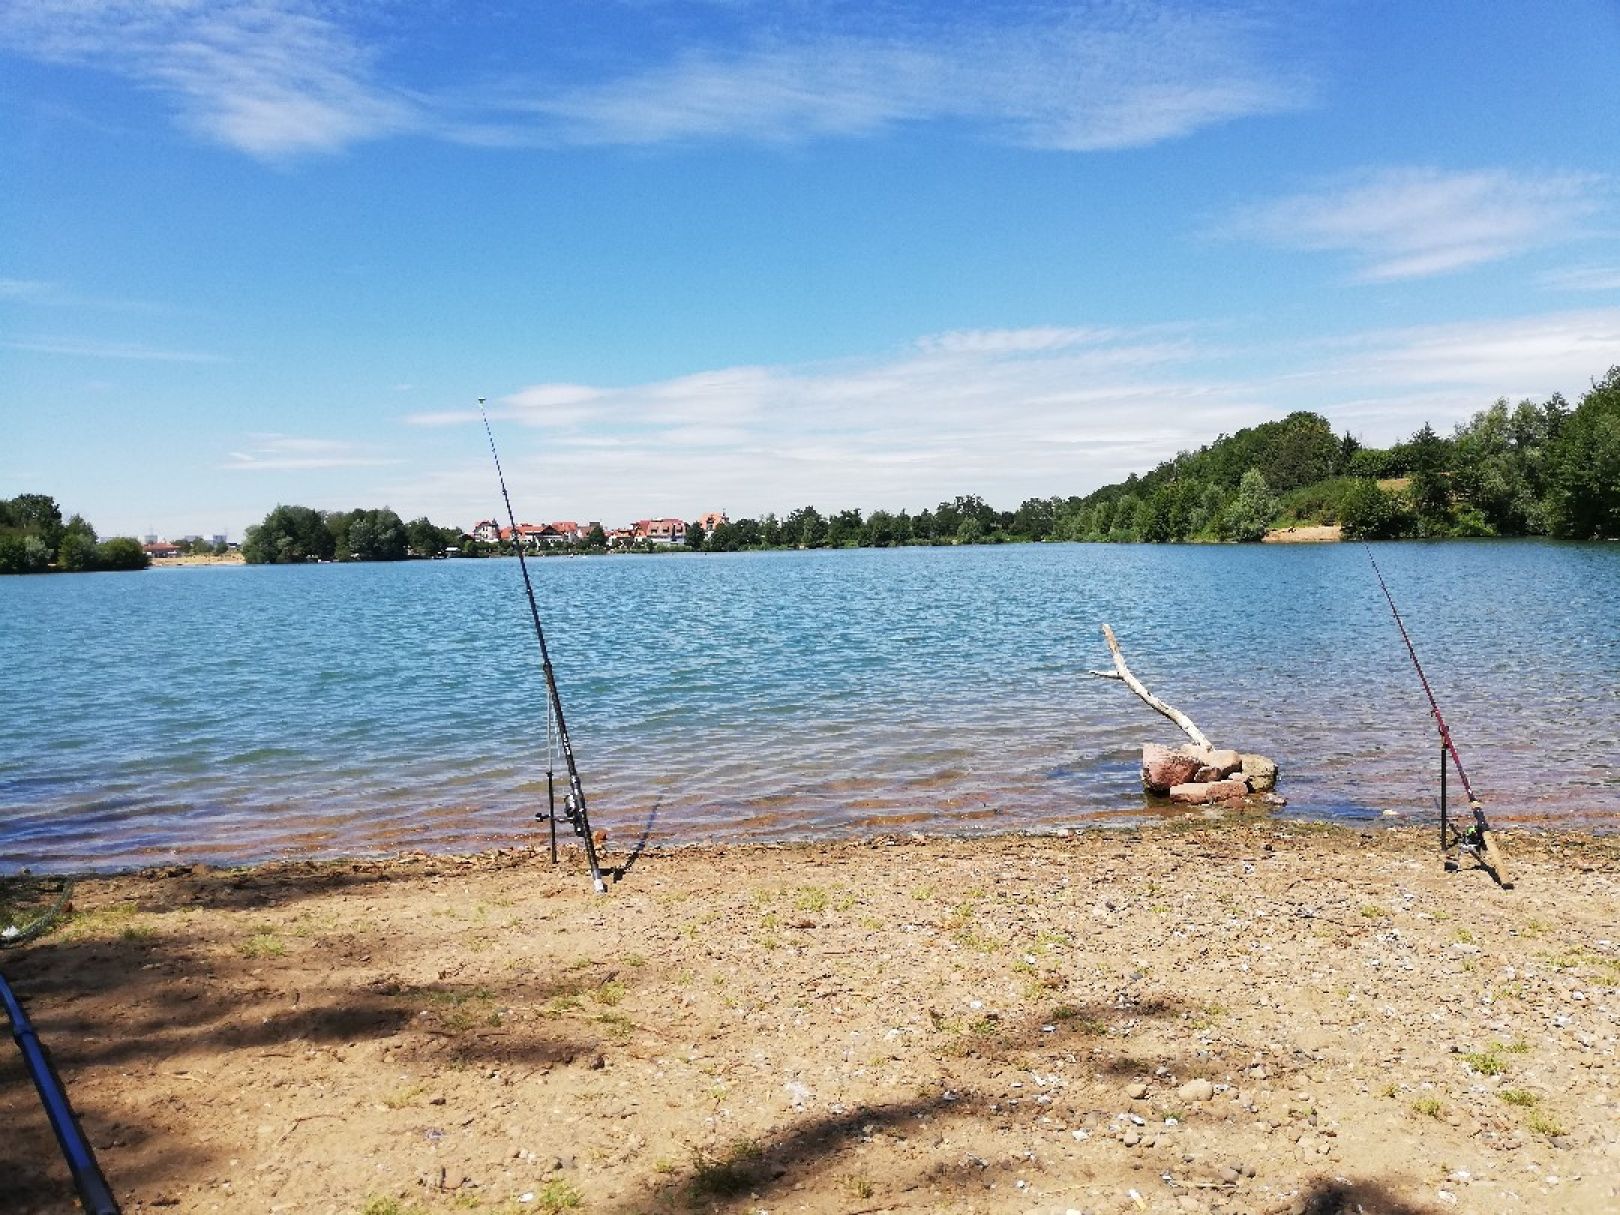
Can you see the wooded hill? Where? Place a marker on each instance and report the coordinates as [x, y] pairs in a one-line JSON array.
[[1511, 470]]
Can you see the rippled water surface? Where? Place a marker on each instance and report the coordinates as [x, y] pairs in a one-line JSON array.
[[241, 713]]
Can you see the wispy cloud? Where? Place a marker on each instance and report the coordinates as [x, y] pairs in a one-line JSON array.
[[280, 77], [92, 349], [1520, 356], [268, 78], [1583, 278], [1097, 77], [281, 453], [1404, 223]]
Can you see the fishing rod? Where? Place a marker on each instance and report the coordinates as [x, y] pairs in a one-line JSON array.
[[95, 1195], [1479, 836], [574, 801]]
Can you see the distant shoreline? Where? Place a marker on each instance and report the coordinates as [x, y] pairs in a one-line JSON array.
[[199, 559]]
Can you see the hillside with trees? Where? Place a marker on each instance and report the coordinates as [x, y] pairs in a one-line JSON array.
[[1530, 469], [34, 539]]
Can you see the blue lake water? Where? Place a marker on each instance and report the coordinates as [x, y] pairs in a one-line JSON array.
[[242, 713]]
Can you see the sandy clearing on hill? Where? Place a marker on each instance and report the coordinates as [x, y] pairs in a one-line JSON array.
[[1315, 533], [1205, 1016]]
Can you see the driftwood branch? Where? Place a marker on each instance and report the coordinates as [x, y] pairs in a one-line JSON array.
[[1122, 673]]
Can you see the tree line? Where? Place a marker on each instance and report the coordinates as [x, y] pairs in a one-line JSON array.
[[291, 535], [1530, 469], [34, 539]]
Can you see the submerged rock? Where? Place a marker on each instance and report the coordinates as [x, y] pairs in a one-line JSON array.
[[1197, 793]]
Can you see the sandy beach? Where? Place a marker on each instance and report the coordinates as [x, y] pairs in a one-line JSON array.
[[1212, 1016]]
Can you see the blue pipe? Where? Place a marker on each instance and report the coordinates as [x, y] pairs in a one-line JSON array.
[[95, 1195]]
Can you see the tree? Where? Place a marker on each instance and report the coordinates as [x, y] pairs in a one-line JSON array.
[[377, 535], [1430, 490], [425, 539], [1249, 516], [805, 527], [596, 538], [77, 553], [289, 535], [1585, 474], [38, 515], [844, 529], [694, 537], [1035, 518], [122, 553], [1368, 513]]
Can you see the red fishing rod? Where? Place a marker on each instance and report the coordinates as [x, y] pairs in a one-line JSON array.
[[1479, 836]]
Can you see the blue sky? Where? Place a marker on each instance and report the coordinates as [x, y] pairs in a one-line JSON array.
[[747, 256]]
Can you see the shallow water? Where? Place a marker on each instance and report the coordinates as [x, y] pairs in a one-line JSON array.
[[243, 713]]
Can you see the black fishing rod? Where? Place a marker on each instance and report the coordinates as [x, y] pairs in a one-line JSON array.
[[94, 1193], [1480, 835], [574, 802]]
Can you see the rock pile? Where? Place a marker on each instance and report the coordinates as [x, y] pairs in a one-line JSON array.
[[1198, 776]]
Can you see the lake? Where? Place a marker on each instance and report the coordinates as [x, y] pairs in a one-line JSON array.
[[235, 714]]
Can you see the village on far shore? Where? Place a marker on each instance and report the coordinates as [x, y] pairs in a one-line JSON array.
[[534, 536]]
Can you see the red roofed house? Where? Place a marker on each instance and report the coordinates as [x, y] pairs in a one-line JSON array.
[[661, 531]]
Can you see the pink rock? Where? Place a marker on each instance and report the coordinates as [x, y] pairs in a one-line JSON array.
[[1224, 762], [1198, 793], [1163, 768]]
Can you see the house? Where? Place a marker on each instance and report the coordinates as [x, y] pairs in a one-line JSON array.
[[486, 530], [621, 537], [532, 535], [712, 520], [661, 531], [161, 548]]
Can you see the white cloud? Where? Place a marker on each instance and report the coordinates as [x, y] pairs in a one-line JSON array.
[[1098, 77], [267, 78], [1008, 414], [1583, 278], [280, 77], [1523, 356], [283, 453], [1416, 222]]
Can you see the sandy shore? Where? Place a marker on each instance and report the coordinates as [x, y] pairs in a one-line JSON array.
[[1254, 1017], [199, 559]]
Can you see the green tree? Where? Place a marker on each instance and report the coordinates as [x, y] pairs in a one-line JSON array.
[[1035, 518], [694, 537], [1249, 516], [596, 538], [37, 515], [13, 554], [806, 527], [77, 553], [122, 553], [1584, 497], [844, 529], [1430, 489], [289, 535], [1367, 512], [425, 539]]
